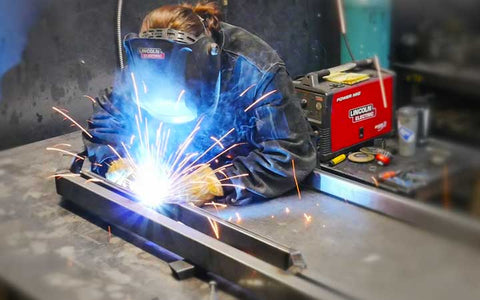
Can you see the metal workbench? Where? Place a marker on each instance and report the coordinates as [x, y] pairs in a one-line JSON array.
[[48, 252]]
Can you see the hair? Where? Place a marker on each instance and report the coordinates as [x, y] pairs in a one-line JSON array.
[[185, 17]]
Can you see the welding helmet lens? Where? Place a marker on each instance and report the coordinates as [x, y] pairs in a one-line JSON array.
[[177, 75]]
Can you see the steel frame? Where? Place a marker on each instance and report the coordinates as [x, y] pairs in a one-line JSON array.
[[268, 270]]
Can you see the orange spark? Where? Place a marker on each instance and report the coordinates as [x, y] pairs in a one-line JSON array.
[[239, 219], [308, 218], [109, 233], [246, 90], [233, 177], [217, 142], [63, 175], [214, 226], [259, 99], [216, 205], [65, 152], [93, 180], [60, 145], [296, 181], [90, 98], [72, 120]]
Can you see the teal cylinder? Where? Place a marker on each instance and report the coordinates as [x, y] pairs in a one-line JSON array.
[[368, 25]]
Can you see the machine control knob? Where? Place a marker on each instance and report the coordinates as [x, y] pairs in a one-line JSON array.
[[303, 103]]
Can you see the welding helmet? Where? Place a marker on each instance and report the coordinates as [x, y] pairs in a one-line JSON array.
[[176, 74]]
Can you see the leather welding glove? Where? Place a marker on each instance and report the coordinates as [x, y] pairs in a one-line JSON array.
[[120, 172], [202, 186]]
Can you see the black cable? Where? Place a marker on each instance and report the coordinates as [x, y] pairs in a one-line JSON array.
[[119, 33], [347, 44]]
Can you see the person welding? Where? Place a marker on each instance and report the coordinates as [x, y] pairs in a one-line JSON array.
[[228, 77]]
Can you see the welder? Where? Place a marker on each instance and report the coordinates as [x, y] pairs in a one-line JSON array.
[[232, 69]]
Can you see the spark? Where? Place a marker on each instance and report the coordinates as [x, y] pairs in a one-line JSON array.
[[234, 185], [180, 96], [230, 219], [63, 175], [239, 219], [65, 152], [139, 130], [137, 98], [308, 218], [247, 89], [216, 205], [72, 120], [380, 80], [217, 142], [97, 164], [61, 145], [259, 100], [233, 177], [132, 138], [296, 181], [90, 98], [225, 151], [214, 226], [287, 210], [109, 233], [212, 146], [145, 89], [272, 216], [93, 180]]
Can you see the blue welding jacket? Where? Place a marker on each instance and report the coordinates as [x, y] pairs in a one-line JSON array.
[[273, 131]]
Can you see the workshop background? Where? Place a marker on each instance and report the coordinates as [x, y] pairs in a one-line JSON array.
[[38, 36]]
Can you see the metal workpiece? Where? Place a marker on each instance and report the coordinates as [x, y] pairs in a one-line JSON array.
[[201, 220], [261, 247], [408, 210], [263, 279]]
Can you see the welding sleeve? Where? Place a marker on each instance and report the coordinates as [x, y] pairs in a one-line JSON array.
[[107, 126], [280, 137]]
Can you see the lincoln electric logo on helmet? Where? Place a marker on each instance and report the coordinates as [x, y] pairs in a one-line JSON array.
[[362, 113], [151, 53]]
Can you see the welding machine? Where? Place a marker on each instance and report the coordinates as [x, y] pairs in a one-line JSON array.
[[347, 110]]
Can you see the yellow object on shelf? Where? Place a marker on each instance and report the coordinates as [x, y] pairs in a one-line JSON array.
[[347, 78]]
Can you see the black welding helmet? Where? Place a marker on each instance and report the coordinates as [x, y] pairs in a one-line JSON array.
[[177, 75]]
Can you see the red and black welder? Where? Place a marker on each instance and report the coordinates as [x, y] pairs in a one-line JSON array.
[[347, 116]]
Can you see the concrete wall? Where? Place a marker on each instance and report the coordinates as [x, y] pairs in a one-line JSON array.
[[65, 49]]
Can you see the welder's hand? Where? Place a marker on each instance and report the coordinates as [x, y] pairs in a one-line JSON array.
[[120, 173], [204, 186]]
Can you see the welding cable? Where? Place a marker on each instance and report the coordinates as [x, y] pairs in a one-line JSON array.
[[119, 33], [343, 28]]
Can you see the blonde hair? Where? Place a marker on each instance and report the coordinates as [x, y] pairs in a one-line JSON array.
[[193, 19]]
